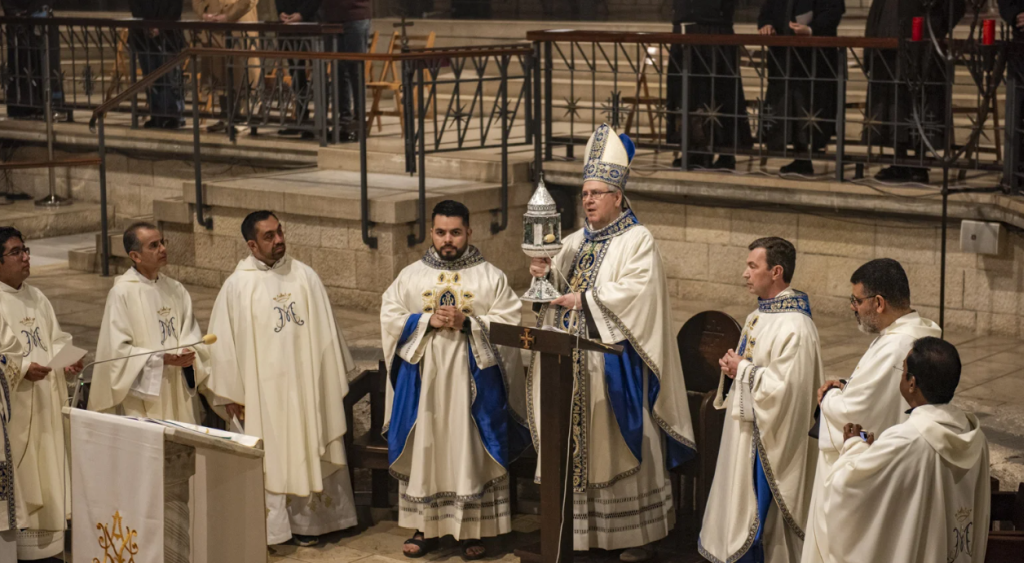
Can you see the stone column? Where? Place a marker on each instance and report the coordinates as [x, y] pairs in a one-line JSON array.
[[179, 466]]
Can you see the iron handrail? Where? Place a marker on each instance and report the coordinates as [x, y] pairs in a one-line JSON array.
[[544, 36], [198, 25]]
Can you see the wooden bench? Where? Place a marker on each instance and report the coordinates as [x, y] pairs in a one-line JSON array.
[[1006, 545], [369, 451]]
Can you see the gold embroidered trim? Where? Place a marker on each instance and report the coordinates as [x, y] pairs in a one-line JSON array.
[[766, 465], [451, 495]]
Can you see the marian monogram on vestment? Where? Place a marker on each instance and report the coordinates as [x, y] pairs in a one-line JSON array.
[[33, 339], [117, 542], [963, 535], [167, 328], [286, 312], [448, 292]]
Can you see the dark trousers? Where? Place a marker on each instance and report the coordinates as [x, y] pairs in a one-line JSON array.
[[355, 39], [25, 51], [166, 102]]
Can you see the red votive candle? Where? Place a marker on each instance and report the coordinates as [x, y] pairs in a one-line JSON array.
[[988, 32], [917, 31]]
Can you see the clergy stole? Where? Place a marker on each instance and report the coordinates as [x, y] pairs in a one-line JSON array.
[[280, 354], [118, 473], [9, 509], [37, 437], [142, 315]]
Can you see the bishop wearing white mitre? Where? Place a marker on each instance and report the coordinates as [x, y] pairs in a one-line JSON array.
[[880, 300], [631, 418], [36, 424], [282, 368], [12, 512], [146, 310], [920, 492], [757, 508], [455, 402]]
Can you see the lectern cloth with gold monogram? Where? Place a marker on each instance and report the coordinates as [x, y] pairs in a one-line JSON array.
[[623, 404], [455, 403], [142, 315], [37, 441]]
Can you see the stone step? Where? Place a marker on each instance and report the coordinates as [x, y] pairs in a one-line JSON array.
[[39, 222], [389, 158]]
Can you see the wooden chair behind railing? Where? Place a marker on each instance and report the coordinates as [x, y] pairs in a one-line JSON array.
[[391, 80]]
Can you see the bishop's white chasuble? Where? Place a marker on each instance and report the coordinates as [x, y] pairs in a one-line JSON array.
[[37, 426], [143, 315], [631, 418], [872, 399], [455, 402], [761, 493], [919, 494], [279, 353]]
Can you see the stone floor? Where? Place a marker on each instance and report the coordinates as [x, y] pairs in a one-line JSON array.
[[992, 385]]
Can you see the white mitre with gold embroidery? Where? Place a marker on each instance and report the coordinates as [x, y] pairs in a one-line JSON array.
[[608, 157]]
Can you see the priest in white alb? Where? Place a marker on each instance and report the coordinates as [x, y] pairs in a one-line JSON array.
[[455, 402], [281, 368], [757, 508], [880, 301], [36, 425], [12, 513], [631, 418], [145, 311], [919, 492]]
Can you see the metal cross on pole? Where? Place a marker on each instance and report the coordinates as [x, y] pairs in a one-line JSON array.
[[405, 36]]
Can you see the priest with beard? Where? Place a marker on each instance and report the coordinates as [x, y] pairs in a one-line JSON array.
[[880, 301], [455, 401], [282, 369], [757, 508], [920, 492], [631, 418]]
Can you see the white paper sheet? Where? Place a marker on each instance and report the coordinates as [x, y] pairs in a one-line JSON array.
[[67, 356]]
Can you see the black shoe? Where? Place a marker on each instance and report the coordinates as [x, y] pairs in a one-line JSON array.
[[218, 127], [154, 123], [305, 541], [171, 123], [893, 174], [803, 167], [289, 132], [725, 162], [919, 175], [695, 162], [309, 135]]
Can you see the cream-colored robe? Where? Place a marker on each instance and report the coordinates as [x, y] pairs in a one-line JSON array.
[[619, 502], [872, 399], [12, 512], [280, 354], [444, 455], [143, 315], [769, 409], [37, 426], [919, 494]]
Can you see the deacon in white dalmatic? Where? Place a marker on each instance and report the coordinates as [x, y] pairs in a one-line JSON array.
[[880, 301], [920, 492], [282, 368], [36, 424], [455, 402], [631, 418], [757, 508], [146, 311]]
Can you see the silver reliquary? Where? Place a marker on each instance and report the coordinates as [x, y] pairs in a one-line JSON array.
[[542, 238]]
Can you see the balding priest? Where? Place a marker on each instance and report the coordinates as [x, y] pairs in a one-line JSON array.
[[146, 310], [631, 419], [920, 492], [880, 301], [757, 508], [281, 368], [456, 403]]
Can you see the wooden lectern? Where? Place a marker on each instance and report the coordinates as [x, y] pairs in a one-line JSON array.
[[556, 350]]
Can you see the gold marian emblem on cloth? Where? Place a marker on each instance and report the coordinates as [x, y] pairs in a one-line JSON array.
[[448, 293], [117, 544], [164, 311], [283, 298], [28, 321]]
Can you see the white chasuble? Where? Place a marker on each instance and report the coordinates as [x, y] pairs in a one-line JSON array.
[[631, 417], [37, 426], [870, 398], [919, 494], [12, 514], [455, 402], [280, 354], [761, 492], [142, 315]]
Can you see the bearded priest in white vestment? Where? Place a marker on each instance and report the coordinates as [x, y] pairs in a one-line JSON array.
[[631, 417], [757, 508], [880, 301], [455, 402], [147, 310], [282, 368], [920, 492], [37, 425]]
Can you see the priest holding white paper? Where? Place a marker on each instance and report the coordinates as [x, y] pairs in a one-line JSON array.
[[880, 301], [631, 417], [757, 508], [455, 403], [36, 427], [147, 311], [281, 368], [919, 492]]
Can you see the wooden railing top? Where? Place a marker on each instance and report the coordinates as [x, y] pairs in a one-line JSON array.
[[194, 25], [590, 36]]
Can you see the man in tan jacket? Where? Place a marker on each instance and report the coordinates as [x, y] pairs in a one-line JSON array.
[[215, 69]]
